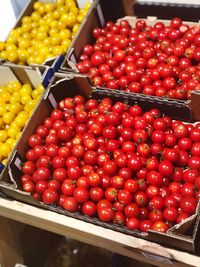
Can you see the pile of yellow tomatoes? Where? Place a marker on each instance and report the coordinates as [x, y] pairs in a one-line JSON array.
[[46, 33], [17, 103]]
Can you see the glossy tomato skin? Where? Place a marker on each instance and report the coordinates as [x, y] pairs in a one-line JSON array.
[[81, 194], [106, 214], [89, 208], [124, 196], [133, 223], [49, 196], [68, 188], [29, 187], [170, 214], [159, 226], [188, 204], [154, 178], [131, 210], [145, 225], [70, 204]]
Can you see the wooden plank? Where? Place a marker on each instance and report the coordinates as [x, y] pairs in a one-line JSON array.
[[129, 246]]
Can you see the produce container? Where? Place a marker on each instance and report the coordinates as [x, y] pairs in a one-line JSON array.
[[184, 236], [27, 11], [98, 16], [39, 75], [167, 9]]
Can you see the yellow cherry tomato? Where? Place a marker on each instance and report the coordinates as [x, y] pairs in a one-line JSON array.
[[38, 59], [53, 24], [15, 108], [23, 43], [53, 32], [13, 86], [13, 130], [35, 16], [41, 35], [61, 25], [26, 27], [15, 98], [47, 41], [34, 24], [44, 50], [30, 105], [40, 88], [20, 122], [56, 14], [55, 40], [11, 141], [76, 28], [25, 99], [49, 7], [2, 46], [70, 4], [12, 56], [5, 150], [41, 9], [58, 50], [23, 114], [12, 39], [88, 5], [33, 33], [74, 11], [65, 34], [26, 89], [80, 18], [35, 93], [8, 117], [3, 55], [10, 47], [65, 44], [26, 19], [23, 55], [5, 97]]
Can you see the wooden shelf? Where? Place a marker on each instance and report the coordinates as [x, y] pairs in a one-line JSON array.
[[129, 246]]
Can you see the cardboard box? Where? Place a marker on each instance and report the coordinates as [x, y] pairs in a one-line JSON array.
[[25, 74], [27, 11], [183, 237], [167, 9], [99, 14]]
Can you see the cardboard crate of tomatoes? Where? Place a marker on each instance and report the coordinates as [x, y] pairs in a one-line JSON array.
[[156, 60], [20, 89], [101, 158], [44, 31]]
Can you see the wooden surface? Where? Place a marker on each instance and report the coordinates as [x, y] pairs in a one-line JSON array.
[[117, 242]]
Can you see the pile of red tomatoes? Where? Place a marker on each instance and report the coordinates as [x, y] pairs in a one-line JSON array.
[[156, 60], [115, 162]]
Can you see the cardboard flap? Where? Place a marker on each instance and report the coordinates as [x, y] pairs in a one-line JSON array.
[[7, 75], [14, 167]]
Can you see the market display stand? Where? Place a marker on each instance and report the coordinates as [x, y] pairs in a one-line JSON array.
[[129, 246]]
